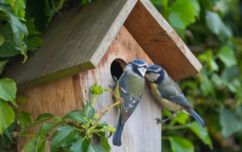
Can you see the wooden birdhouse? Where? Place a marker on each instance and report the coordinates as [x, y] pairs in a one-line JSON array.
[[91, 44]]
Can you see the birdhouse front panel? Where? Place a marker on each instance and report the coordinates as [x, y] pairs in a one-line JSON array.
[[141, 133]]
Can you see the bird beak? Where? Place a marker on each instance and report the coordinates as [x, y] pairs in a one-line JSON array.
[[142, 71]]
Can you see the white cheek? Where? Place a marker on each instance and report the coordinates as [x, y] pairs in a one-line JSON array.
[[152, 77]]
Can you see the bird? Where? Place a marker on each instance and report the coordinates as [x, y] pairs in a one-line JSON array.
[[166, 91], [129, 90]]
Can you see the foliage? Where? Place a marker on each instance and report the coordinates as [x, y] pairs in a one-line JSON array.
[[20, 24], [212, 30], [78, 130]]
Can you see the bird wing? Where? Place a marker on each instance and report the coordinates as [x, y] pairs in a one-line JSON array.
[[130, 99], [173, 93]]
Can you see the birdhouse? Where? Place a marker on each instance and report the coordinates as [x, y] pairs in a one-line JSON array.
[[92, 44]]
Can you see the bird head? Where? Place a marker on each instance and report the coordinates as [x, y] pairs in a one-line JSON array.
[[136, 67], [155, 73]]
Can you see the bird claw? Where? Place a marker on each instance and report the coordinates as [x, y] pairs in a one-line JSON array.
[[161, 121]]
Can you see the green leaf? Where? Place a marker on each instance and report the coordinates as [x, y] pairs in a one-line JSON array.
[[1, 39], [229, 122], [19, 30], [206, 84], [183, 13], [104, 143], [89, 111], [181, 118], [95, 148], [36, 144], [44, 117], [6, 116], [46, 128], [201, 133], [34, 39], [216, 25], [226, 55], [208, 58], [30, 146], [180, 144], [62, 137], [79, 145], [8, 90], [76, 115], [18, 7], [24, 120], [2, 65]]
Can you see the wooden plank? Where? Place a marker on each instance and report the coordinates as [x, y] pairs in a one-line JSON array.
[[160, 41], [141, 134], [75, 42], [58, 98]]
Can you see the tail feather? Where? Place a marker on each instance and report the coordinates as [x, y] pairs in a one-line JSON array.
[[118, 133], [197, 117]]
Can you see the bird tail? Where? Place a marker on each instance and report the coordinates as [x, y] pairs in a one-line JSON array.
[[196, 117], [118, 133]]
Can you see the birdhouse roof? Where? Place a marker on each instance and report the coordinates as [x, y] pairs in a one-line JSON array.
[[78, 39]]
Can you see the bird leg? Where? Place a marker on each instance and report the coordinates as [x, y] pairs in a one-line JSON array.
[[163, 121]]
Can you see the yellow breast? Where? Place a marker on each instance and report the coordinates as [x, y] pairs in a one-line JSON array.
[[164, 102]]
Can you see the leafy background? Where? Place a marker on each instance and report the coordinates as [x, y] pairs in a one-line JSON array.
[[212, 30]]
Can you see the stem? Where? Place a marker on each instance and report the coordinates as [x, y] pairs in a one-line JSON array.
[[101, 114]]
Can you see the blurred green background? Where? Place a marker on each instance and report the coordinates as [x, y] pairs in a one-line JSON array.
[[211, 28]]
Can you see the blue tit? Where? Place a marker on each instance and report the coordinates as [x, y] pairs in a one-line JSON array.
[[168, 93], [129, 89]]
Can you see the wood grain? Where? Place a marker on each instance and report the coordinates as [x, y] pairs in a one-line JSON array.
[[160, 41], [58, 97], [141, 134], [77, 40]]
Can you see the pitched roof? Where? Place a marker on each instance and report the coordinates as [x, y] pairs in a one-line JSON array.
[[77, 41]]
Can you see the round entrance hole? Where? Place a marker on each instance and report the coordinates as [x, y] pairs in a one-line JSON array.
[[116, 68]]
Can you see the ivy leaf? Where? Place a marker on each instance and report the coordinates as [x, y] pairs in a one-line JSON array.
[[89, 111], [6, 116], [234, 124], [217, 26], [226, 55], [8, 90], [76, 115], [208, 58], [201, 133], [180, 144], [62, 136], [79, 145], [24, 120], [183, 13], [19, 29]]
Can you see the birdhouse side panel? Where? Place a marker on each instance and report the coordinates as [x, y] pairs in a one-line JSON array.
[[58, 97], [141, 133]]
